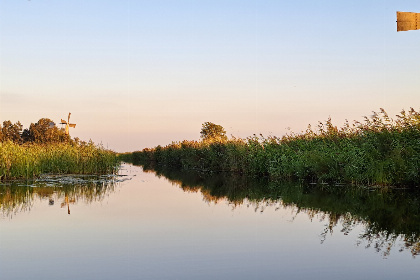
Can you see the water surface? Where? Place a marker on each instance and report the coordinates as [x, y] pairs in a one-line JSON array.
[[169, 225]]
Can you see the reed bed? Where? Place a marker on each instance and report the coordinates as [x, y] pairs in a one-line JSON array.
[[379, 151], [31, 160]]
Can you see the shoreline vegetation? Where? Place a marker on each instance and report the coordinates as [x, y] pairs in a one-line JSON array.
[[43, 148], [32, 160], [379, 151]]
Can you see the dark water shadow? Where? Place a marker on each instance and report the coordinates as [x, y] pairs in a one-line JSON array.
[[390, 217]]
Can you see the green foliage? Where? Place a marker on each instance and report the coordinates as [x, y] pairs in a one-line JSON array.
[[379, 151], [43, 148], [31, 160], [11, 132], [44, 131], [213, 132]]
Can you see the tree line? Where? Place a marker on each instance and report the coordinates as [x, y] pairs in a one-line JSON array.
[[43, 131]]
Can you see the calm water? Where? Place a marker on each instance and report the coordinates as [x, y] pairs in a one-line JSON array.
[[146, 226]]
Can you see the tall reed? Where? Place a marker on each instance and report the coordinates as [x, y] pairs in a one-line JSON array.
[[31, 160], [378, 151]]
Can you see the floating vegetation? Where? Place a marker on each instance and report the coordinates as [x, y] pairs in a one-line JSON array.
[[18, 195], [379, 151]]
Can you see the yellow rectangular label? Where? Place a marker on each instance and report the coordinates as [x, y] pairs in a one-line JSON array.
[[408, 21]]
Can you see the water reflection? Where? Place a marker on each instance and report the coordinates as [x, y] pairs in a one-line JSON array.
[[390, 218], [19, 196]]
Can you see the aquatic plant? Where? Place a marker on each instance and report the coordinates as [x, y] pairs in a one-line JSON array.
[[31, 160], [377, 151]]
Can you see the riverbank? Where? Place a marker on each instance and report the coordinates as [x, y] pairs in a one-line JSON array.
[[380, 151], [19, 161]]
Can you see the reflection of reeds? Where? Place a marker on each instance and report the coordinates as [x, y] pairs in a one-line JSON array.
[[20, 196], [379, 151], [13, 200], [28, 161], [389, 217]]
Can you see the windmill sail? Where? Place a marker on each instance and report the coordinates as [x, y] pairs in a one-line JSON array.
[[408, 21], [68, 124]]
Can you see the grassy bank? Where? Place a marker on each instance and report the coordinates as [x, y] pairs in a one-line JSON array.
[[379, 151], [31, 160]]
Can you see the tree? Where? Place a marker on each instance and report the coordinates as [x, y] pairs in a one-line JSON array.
[[213, 132], [11, 132], [44, 131], [26, 136]]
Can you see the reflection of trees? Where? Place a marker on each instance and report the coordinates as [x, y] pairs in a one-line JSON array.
[[66, 189], [390, 218]]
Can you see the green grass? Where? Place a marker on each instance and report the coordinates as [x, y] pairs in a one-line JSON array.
[[379, 151], [31, 160]]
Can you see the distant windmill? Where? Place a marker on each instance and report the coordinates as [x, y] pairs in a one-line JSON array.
[[68, 124], [408, 21]]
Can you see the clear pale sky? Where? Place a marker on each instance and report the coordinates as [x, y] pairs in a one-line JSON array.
[[137, 74]]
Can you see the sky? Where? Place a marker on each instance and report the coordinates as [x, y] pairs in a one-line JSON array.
[[137, 74]]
